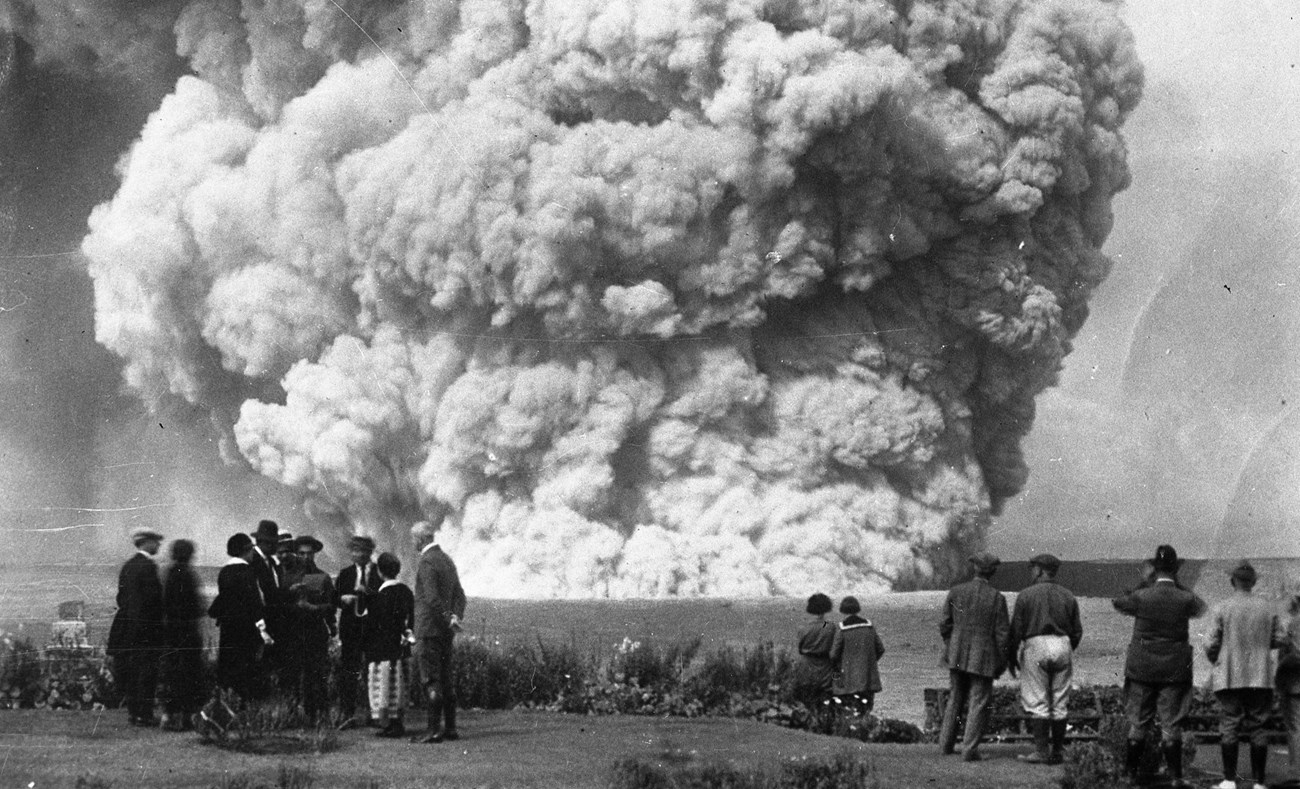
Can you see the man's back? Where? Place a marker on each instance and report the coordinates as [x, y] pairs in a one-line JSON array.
[[438, 594], [1159, 650], [1046, 608], [1246, 629], [975, 628]]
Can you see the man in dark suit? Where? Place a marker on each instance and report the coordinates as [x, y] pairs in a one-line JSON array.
[[439, 607], [135, 639], [352, 590], [975, 629], [241, 619], [270, 580], [1158, 670]]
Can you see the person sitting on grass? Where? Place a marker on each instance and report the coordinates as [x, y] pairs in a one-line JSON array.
[[855, 650], [387, 645]]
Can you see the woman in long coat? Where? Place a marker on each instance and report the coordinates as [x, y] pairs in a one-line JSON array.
[[855, 650], [183, 643], [240, 613], [812, 673]]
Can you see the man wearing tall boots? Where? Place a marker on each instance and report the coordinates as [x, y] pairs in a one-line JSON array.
[[136, 637], [1045, 631], [439, 608], [1244, 630], [1158, 670], [975, 630], [352, 590]]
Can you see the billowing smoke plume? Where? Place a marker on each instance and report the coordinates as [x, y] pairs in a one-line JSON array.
[[638, 297]]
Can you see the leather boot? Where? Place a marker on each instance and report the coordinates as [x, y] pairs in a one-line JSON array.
[[1057, 729], [1042, 749], [1133, 761], [1174, 762], [1229, 755], [1258, 762]]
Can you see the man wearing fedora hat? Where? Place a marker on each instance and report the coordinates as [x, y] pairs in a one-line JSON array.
[[352, 590], [1045, 631], [136, 637], [975, 631], [1244, 631], [270, 579], [1158, 669]]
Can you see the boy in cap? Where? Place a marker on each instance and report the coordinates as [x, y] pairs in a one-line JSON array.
[[976, 631], [352, 591], [1158, 670], [1045, 631], [1245, 629], [135, 639]]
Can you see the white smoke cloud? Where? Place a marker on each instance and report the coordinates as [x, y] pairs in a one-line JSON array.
[[638, 298]]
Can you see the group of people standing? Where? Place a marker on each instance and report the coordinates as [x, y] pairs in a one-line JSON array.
[[276, 614], [1038, 639]]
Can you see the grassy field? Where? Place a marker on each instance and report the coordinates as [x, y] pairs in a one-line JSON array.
[[499, 749]]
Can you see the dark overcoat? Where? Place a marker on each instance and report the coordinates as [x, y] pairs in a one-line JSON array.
[[139, 620], [1159, 651]]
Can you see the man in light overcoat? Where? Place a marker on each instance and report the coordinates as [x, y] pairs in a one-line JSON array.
[[975, 629], [1245, 629]]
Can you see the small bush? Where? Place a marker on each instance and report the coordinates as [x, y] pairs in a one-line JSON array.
[[20, 672], [1092, 765], [294, 778], [843, 771], [273, 727]]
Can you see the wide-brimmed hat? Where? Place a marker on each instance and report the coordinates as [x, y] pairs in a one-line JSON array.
[[142, 534], [267, 530], [1166, 560], [361, 542], [984, 561], [284, 538], [310, 541], [1244, 571], [238, 544], [1046, 561]]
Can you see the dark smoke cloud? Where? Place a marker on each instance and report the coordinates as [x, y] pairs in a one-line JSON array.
[[644, 298]]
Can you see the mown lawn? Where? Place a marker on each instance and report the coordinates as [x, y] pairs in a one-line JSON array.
[[45, 750]]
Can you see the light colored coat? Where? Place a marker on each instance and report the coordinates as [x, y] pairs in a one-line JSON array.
[[976, 629], [1244, 632]]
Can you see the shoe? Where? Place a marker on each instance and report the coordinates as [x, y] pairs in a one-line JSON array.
[[450, 735], [392, 730], [432, 737], [972, 756]]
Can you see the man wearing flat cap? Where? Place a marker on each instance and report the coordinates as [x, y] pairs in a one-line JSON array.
[[136, 637], [975, 631], [1244, 631], [352, 590], [1158, 670], [1045, 631]]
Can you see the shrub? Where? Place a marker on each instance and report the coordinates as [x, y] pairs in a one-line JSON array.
[[1092, 765], [272, 727], [20, 672], [842, 771]]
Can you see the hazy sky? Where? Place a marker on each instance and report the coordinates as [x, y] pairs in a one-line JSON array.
[[1187, 367]]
